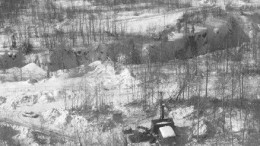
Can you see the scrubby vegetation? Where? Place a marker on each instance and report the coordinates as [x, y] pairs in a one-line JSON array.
[[26, 47]]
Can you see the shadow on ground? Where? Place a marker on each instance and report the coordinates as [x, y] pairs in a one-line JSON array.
[[6, 134]]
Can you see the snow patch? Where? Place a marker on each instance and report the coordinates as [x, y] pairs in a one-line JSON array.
[[95, 64], [79, 122], [174, 36], [75, 3], [24, 137], [216, 30], [105, 75], [62, 119], [200, 128], [26, 100], [51, 115], [181, 116], [45, 98], [236, 122]]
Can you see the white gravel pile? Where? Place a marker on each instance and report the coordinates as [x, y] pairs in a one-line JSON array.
[[105, 75], [32, 70]]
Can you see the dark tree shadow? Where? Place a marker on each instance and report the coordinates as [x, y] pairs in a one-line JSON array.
[[6, 134]]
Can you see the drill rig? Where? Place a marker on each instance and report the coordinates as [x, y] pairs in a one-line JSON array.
[[161, 132]]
